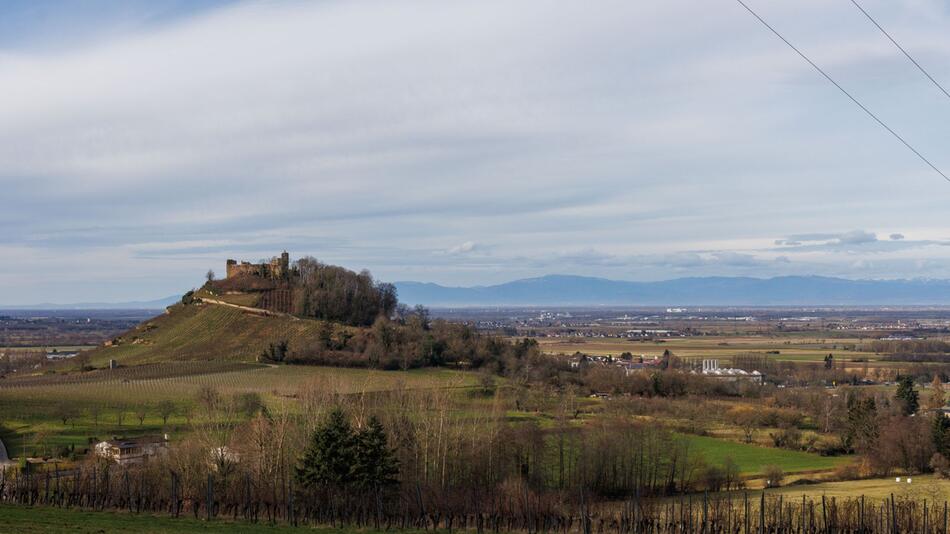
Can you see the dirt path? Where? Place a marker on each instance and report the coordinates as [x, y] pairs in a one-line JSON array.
[[259, 311]]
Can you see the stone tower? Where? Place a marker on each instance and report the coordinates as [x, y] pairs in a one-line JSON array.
[[284, 264]]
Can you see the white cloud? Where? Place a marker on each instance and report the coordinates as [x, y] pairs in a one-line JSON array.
[[464, 248]]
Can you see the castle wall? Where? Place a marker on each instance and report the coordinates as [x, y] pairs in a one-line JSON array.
[[275, 268]]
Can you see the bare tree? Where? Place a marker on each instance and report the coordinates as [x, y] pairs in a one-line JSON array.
[[209, 398], [747, 419], [95, 412], [166, 409], [937, 396], [141, 412], [66, 412]]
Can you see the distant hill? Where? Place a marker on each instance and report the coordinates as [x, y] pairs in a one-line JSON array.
[[566, 290]]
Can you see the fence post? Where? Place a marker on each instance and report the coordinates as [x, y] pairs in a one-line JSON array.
[[747, 512], [128, 490], [824, 515], [290, 498], [210, 495], [762, 513], [893, 515], [801, 524], [705, 510]]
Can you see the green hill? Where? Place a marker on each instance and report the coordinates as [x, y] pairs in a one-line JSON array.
[[202, 331]]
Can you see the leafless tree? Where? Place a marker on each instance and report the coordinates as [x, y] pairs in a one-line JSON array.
[[166, 409]]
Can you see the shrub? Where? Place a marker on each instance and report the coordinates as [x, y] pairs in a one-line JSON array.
[[714, 478], [847, 472], [940, 465], [275, 352], [774, 476], [787, 438]]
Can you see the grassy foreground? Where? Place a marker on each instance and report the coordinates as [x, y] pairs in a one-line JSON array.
[[751, 459], [24, 519], [921, 487]]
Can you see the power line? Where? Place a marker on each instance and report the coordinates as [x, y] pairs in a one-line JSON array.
[[901, 48], [846, 93]]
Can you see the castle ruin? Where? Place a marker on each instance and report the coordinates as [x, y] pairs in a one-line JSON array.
[[278, 268]]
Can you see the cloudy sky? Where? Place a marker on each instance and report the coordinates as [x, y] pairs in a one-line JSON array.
[[465, 143]]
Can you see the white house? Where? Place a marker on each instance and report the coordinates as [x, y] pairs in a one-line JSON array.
[[125, 451]]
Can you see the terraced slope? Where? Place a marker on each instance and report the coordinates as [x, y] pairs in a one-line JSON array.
[[205, 332]]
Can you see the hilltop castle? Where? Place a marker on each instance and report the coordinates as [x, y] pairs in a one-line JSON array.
[[275, 269]]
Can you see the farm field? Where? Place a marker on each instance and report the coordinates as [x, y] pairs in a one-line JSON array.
[[44, 520], [60, 348], [33, 407], [752, 459], [929, 487], [790, 348]]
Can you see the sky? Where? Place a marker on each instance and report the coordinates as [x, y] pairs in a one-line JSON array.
[[465, 143]]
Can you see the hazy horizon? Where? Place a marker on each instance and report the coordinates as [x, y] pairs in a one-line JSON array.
[[174, 297]]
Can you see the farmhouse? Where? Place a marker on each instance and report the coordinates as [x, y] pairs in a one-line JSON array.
[[124, 451]]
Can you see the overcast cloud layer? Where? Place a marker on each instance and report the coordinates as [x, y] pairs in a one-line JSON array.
[[467, 142]]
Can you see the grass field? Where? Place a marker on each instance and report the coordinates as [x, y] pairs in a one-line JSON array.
[[29, 412], [206, 332], [41, 520], [921, 487], [751, 459], [788, 347]]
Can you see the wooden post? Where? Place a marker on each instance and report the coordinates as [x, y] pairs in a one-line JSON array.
[[705, 510], [290, 498], [762, 514], [801, 524], [824, 515], [893, 515], [748, 528], [944, 517], [210, 495], [861, 515]]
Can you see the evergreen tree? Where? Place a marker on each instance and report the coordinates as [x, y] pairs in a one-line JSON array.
[[940, 432], [907, 394], [374, 463], [329, 457]]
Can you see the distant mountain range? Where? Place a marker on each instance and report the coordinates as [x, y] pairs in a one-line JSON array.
[[158, 304], [568, 290], [565, 290]]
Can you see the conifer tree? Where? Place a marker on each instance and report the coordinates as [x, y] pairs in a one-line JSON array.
[[374, 463], [328, 460], [907, 394], [940, 432]]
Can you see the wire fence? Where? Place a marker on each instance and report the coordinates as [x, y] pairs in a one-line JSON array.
[[165, 491]]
